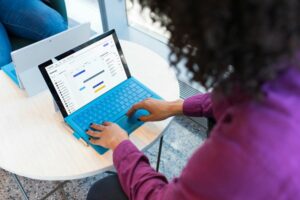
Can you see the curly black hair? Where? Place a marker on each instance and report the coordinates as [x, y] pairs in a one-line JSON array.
[[230, 43]]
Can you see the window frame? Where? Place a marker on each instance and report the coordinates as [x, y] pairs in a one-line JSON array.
[[114, 16]]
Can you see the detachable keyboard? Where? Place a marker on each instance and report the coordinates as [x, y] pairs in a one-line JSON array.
[[10, 71], [113, 105]]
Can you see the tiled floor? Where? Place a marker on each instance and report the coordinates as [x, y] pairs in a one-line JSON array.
[[176, 152]]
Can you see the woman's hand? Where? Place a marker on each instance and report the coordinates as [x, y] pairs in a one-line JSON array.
[[108, 135], [158, 109]]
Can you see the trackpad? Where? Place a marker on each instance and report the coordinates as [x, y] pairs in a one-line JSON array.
[[131, 123]]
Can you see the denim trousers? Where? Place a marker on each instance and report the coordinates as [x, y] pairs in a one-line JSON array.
[[28, 19]]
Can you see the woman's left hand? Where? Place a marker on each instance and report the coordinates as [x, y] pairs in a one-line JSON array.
[[108, 135]]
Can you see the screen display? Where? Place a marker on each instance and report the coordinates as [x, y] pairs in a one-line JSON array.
[[86, 74]]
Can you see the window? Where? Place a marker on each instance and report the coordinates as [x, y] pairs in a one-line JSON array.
[[136, 26], [140, 20], [80, 11]]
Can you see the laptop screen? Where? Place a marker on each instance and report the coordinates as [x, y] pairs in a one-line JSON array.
[[81, 75]]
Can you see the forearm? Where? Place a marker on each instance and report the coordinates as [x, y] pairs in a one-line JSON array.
[[196, 106], [136, 176]]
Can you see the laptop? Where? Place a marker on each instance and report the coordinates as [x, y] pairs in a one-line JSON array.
[[24, 70], [92, 84]]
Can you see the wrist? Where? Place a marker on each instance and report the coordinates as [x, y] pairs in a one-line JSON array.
[[117, 142], [176, 107]]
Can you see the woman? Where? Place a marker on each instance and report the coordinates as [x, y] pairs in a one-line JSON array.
[[30, 19], [249, 52]]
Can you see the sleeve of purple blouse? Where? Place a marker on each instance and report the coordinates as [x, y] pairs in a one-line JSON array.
[[136, 176], [215, 171], [198, 106], [202, 178]]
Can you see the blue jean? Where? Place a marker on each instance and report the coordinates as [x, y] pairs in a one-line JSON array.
[[29, 19]]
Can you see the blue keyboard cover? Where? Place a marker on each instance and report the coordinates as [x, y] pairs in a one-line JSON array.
[[10, 71], [112, 106]]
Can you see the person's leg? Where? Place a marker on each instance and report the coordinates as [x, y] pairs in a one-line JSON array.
[[30, 19], [108, 188], [5, 47]]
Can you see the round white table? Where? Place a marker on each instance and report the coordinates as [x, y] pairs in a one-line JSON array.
[[36, 143]]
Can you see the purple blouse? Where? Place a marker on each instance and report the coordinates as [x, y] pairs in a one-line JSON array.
[[253, 151]]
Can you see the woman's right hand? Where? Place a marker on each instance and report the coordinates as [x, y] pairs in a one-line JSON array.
[[158, 109]]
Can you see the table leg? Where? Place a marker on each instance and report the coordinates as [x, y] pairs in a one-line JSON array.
[[20, 187], [58, 187], [63, 193], [159, 153]]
